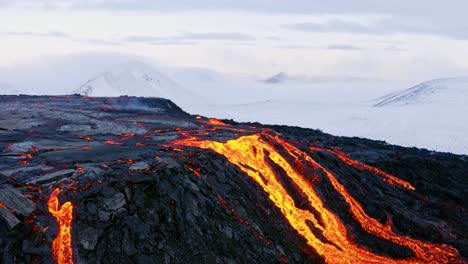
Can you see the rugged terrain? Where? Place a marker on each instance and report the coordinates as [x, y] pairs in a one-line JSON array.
[[428, 115], [138, 180]]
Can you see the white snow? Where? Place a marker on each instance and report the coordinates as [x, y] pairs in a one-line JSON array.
[[434, 118], [431, 115], [440, 91], [137, 79], [7, 89]]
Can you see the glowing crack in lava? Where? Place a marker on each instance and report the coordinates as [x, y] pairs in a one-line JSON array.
[[62, 245], [390, 179], [256, 154]]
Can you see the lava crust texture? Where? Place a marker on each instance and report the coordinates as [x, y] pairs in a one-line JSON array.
[[138, 180]]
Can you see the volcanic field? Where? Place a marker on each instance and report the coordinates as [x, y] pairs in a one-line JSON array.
[[138, 180]]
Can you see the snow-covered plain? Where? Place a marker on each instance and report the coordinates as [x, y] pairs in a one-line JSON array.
[[432, 115], [348, 110], [6, 88]]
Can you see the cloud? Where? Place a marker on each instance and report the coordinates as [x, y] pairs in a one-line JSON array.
[[171, 43], [59, 35], [402, 7], [189, 38], [343, 47], [296, 47], [232, 36], [385, 26], [416, 16], [53, 34], [335, 25], [183, 39]]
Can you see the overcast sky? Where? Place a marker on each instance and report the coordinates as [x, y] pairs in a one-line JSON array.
[[370, 39]]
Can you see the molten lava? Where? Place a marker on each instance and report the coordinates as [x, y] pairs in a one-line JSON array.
[[113, 143], [87, 138], [214, 121], [62, 245], [390, 179], [127, 135], [325, 233]]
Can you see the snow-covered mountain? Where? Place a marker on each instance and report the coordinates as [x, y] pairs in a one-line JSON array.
[[134, 79], [277, 78], [447, 91]]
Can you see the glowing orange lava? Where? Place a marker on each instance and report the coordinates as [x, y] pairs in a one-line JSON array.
[[113, 143], [217, 122], [255, 156], [85, 147], [388, 178], [127, 135], [87, 138], [26, 155], [62, 245]]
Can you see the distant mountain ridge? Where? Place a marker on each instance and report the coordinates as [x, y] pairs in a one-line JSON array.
[[134, 79], [447, 90], [277, 78]]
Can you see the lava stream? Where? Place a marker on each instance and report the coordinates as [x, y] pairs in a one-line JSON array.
[[62, 245], [254, 154], [390, 179]]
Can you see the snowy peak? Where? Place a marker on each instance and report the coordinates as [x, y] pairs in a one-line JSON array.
[[439, 91], [134, 79], [277, 78]]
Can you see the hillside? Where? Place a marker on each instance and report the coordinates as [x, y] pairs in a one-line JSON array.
[[441, 91], [138, 180]]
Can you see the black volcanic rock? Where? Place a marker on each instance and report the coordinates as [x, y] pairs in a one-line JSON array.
[[140, 198]]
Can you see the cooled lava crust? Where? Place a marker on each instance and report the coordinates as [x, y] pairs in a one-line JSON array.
[[138, 180]]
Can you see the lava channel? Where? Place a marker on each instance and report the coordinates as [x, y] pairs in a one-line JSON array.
[[62, 249], [254, 154]]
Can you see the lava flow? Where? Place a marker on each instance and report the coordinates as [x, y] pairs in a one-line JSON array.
[[62, 245], [390, 179], [256, 155]]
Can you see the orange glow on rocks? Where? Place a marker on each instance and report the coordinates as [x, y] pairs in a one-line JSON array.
[[194, 171], [87, 138], [113, 143], [256, 154], [85, 147], [62, 245], [127, 135], [26, 155], [388, 178], [217, 122]]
